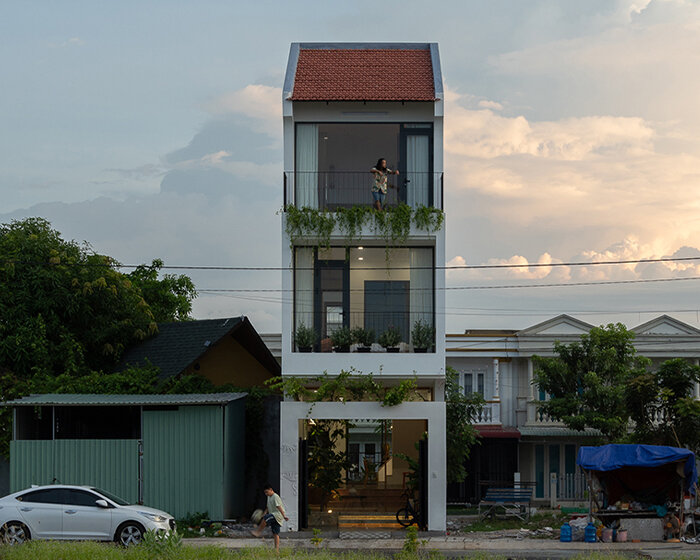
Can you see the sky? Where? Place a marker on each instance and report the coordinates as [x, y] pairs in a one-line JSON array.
[[152, 129]]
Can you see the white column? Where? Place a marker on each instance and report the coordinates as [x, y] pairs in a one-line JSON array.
[[289, 464], [437, 459], [530, 392], [696, 391], [496, 380]]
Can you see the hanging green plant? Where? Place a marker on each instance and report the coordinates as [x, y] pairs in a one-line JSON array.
[[428, 218], [392, 224]]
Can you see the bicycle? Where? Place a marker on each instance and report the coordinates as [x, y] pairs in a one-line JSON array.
[[407, 515]]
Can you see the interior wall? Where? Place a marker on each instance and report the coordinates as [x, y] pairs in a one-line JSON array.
[[403, 438]]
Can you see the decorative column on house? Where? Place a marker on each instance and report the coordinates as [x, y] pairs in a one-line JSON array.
[[496, 417], [530, 392], [696, 390]]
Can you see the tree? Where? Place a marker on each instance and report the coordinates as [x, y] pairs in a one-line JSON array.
[[325, 460], [460, 411], [169, 298], [662, 406], [68, 310], [587, 381]]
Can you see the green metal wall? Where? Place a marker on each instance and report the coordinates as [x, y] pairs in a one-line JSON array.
[[108, 464], [234, 467], [183, 460]]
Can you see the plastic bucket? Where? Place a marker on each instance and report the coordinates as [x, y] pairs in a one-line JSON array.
[[606, 535], [621, 535]]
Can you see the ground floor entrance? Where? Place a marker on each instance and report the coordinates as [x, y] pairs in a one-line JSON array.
[[379, 448]]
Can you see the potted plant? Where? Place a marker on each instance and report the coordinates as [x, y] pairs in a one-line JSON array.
[[341, 338], [363, 337], [422, 336], [304, 338], [390, 339]]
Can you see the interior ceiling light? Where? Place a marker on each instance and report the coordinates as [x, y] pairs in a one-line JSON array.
[[360, 258], [360, 248]]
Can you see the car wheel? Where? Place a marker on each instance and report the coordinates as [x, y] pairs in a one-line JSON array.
[[129, 533], [14, 532]]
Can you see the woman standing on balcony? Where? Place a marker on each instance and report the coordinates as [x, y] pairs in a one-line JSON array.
[[381, 174]]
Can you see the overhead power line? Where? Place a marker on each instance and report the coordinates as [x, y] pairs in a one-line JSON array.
[[445, 267]]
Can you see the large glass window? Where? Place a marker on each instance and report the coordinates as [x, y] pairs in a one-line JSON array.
[[358, 287], [332, 163]]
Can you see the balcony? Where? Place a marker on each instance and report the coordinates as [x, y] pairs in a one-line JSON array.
[[490, 414], [331, 190], [536, 417]]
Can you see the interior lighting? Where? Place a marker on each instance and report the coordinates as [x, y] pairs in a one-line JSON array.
[[330, 511], [360, 258], [360, 248]]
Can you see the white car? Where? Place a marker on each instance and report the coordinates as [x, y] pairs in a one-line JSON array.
[[76, 513]]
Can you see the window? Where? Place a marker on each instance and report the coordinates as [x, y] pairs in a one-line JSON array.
[[473, 381], [47, 496], [356, 287], [82, 498], [332, 163], [98, 422]]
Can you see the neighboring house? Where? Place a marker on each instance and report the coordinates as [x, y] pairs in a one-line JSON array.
[[179, 453], [345, 105], [519, 442], [225, 351]]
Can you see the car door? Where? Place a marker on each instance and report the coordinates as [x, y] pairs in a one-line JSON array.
[[42, 511], [84, 519]]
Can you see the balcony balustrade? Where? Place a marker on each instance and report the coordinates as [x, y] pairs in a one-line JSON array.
[[331, 190], [536, 417], [490, 414]]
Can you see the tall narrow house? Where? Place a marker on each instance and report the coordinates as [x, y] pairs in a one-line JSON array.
[[351, 267]]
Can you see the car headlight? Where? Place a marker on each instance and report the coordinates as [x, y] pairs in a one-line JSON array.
[[153, 516]]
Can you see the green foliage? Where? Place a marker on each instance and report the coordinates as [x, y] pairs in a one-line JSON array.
[[348, 385], [65, 308], [341, 337], [410, 543], [192, 519], [68, 314], [169, 298], [326, 461], [305, 337], [460, 411], [161, 546], [390, 337], [587, 380], [422, 335], [662, 407], [317, 539], [363, 337], [393, 224]]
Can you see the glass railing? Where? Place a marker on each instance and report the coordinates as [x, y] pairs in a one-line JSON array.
[[330, 190]]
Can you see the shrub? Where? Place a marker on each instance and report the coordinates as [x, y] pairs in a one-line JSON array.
[[305, 337], [364, 337], [341, 338], [422, 335], [390, 337]]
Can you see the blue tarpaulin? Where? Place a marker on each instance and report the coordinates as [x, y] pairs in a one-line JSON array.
[[618, 456]]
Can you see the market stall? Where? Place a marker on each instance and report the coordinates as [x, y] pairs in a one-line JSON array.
[[641, 488]]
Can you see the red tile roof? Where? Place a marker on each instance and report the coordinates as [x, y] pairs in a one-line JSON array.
[[364, 75]]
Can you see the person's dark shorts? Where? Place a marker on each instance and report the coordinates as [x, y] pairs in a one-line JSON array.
[[271, 522], [380, 196]]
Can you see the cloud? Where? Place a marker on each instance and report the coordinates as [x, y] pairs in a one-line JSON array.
[[260, 102], [72, 42]]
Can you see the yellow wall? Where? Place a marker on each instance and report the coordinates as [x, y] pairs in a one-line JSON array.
[[229, 362], [403, 440]]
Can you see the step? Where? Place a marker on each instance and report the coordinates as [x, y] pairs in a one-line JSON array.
[[368, 521]]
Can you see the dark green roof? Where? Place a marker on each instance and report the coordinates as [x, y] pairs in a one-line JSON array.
[[180, 344], [69, 399]]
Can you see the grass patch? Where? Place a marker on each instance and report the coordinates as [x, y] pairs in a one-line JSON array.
[[536, 521]]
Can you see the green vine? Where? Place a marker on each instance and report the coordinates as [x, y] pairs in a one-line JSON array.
[[346, 386], [393, 224]]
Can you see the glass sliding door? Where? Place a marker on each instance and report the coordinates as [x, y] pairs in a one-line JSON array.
[[416, 164]]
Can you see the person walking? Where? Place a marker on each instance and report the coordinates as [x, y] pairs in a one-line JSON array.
[[381, 174], [273, 517]]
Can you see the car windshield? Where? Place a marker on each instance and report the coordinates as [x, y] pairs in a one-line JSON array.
[[116, 499]]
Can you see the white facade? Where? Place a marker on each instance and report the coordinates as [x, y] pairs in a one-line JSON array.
[[504, 358], [352, 119]]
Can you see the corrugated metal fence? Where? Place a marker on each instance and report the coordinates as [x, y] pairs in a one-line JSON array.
[[108, 464]]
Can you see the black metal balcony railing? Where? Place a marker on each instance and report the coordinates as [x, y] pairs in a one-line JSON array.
[[330, 190]]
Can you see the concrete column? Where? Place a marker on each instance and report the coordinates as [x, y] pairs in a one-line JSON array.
[[530, 379], [696, 389], [289, 463], [437, 459], [496, 380]]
